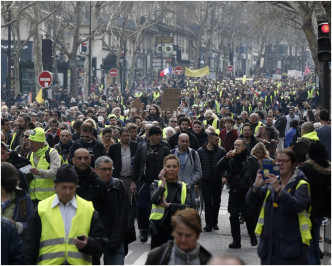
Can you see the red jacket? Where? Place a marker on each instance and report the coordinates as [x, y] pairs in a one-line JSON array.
[[228, 139]]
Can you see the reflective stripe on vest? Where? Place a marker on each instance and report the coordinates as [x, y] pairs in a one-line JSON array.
[[214, 123], [304, 220], [41, 188], [157, 212], [12, 142], [54, 249], [260, 124]]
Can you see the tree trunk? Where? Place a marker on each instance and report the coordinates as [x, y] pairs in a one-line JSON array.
[[74, 75]]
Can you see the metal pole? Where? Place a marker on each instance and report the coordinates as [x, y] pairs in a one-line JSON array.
[[89, 57], [9, 64], [326, 91], [124, 68]]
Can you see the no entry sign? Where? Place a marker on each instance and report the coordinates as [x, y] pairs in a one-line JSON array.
[[45, 79], [113, 72], [178, 70], [230, 68]]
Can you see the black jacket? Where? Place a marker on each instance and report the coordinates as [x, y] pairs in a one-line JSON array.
[[201, 137], [208, 166], [253, 142], [173, 141], [92, 188], [241, 170], [319, 178], [114, 153], [96, 239], [115, 218], [98, 150], [140, 171], [156, 118], [161, 255], [280, 124]]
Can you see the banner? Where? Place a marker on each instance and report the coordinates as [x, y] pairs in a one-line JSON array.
[[294, 74], [196, 73], [39, 96], [170, 99]]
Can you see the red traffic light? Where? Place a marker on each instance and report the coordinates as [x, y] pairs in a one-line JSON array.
[[325, 28]]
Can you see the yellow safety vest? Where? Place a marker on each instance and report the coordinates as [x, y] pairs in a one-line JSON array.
[[214, 123], [156, 94], [12, 142], [41, 188], [260, 124], [157, 212], [304, 220], [55, 249]]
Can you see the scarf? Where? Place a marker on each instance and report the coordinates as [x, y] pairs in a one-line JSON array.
[[42, 150]]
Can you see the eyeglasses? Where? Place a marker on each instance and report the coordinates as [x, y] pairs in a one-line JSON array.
[[26, 136], [62, 128], [282, 161], [106, 169]]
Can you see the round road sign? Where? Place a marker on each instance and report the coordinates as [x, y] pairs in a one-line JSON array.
[[230, 68], [113, 72], [45, 79], [178, 70]]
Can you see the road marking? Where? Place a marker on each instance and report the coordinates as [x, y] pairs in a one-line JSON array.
[[142, 259]]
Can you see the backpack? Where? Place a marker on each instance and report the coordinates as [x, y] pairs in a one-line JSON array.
[[47, 155], [193, 154]]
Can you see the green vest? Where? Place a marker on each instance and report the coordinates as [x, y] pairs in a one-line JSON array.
[[41, 188], [12, 142], [157, 212], [214, 123], [304, 220], [260, 124], [54, 248]]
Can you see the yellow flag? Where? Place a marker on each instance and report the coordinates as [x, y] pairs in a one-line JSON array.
[[39, 96], [196, 73]]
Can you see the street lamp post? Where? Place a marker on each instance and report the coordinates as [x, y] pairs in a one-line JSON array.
[[9, 65], [89, 57]]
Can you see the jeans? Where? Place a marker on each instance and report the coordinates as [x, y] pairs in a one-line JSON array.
[[314, 254], [116, 258], [143, 206]]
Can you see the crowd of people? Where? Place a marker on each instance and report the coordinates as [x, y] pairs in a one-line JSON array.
[[76, 174]]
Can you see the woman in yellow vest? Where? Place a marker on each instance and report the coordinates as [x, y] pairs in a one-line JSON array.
[[283, 224], [168, 195]]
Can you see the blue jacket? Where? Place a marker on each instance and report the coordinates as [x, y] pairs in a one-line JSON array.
[[289, 137], [280, 241]]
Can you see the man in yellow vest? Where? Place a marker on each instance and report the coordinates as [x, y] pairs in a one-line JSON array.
[[44, 161], [65, 228]]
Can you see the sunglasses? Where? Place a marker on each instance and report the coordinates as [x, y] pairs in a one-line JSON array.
[[26, 136]]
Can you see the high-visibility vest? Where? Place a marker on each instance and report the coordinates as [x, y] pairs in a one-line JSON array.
[[12, 142], [54, 247], [41, 188], [214, 123], [157, 212], [260, 124], [156, 94], [304, 220]]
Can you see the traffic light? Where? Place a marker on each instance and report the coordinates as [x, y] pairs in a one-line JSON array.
[[47, 51], [324, 42]]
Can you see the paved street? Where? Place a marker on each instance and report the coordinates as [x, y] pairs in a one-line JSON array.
[[215, 241]]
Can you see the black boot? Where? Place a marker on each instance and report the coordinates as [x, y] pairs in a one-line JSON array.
[[235, 244]]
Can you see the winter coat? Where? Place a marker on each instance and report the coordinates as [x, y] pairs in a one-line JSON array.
[[253, 142], [23, 209], [280, 124], [12, 251], [161, 255], [49, 138], [156, 118], [207, 164], [201, 137], [280, 240], [289, 137], [319, 178], [241, 170], [192, 168]]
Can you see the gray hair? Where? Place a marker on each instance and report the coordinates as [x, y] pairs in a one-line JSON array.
[[103, 159], [167, 129]]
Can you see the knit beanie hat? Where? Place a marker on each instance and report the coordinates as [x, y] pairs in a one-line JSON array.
[[66, 173], [37, 135]]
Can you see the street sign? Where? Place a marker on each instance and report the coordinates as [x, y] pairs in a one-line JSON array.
[[113, 72], [45, 79], [230, 68], [178, 70]]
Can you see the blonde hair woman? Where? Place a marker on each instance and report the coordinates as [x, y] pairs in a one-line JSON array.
[[261, 153]]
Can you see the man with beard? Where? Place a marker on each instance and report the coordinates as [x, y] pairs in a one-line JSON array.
[[269, 135], [248, 137], [64, 146], [290, 117], [53, 134], [199, 132], [184, 123], [154, 115], [241, 173], [211, 184], [24, 123]]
